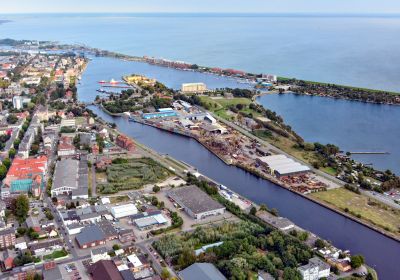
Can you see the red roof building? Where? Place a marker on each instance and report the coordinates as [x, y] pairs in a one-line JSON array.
[[125, 142], [104, 270], [28, 168]]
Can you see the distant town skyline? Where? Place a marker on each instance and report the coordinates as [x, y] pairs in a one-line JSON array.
[[204, 6]]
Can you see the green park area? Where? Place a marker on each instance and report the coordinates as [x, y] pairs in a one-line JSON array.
[[361, 206], [128, 174]]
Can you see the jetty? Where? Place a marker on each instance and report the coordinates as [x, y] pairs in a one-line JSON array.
[[369, 153]]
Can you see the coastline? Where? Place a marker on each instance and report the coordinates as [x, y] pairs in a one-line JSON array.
[[282, 185]]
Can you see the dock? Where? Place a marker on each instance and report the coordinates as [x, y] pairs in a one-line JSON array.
[[369, 153]]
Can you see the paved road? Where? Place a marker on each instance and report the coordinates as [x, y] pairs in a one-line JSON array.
[[382, 198], [93, 170]]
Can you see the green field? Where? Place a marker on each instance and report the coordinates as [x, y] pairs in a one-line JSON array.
[[220, 105], [370, 210], [132, 174]]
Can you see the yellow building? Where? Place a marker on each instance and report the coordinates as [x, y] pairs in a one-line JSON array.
[[193, 88]]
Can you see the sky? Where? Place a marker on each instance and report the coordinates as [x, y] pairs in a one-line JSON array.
[[201, 6]]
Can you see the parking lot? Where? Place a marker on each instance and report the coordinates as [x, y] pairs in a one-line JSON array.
[[73, 271]]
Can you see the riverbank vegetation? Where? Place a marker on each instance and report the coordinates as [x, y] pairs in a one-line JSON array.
[[362, 207], [126, 174], [340, 91]]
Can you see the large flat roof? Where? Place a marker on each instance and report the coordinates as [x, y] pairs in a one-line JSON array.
[[66, 173], [194, 199], [283, 165]]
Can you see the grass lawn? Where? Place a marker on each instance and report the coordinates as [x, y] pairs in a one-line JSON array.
[[56, 255], [329, 170], [119, 199], [369, 209]]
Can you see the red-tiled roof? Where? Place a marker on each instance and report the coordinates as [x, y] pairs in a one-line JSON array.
[[26, 168]]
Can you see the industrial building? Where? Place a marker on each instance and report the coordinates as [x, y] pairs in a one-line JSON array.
[[193, 88], [195, 202], [162, 113], [281, 165], [201, 271], [147, 220], [90, 236], [124, 210], [71, 178]]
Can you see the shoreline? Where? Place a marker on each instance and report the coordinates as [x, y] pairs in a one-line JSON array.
[[282, 185]]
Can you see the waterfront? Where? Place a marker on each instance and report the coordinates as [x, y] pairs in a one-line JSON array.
[[381, 252], [352, 125], [320, 48]]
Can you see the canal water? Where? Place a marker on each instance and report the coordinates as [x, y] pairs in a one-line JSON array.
[[352, 125], [381, 252]]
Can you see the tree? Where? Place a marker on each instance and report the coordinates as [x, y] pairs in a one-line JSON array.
[[263, 207], [165, 273], [116, 247], [253, 210], [291, 274], [186, 258], [21, 208], [319, 243], [12, 152], [7, 163], [154, 201], [356, 261], [3, 171]]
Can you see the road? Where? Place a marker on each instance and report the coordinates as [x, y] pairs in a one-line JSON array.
[[93, 170], [388, 200]]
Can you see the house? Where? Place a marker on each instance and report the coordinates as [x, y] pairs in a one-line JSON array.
[[125, 142], [90, 236], [126, 235], [201, 271], [9, 263], [315, 269], [104, 270], [136, 263], [65, 146], [99, 254], [110, 233], [33, 222], [7, 238], [45, 248], [20, 243]]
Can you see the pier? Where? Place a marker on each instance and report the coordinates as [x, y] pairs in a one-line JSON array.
[[369, 153]]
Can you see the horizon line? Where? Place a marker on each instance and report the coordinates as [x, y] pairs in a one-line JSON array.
[[210, 13]]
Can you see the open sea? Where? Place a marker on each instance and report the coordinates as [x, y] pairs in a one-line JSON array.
[[352, 50]]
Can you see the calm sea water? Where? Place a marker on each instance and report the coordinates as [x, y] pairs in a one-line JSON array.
[[353, 126], [360, 51]]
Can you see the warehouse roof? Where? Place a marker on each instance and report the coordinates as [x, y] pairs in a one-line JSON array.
[[201, 271], [194, 199], [283, 165], [90, 234]]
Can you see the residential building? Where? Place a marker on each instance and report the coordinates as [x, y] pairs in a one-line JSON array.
[[27, 175], [104, 270], [125, 142], [47, 247], [201, 271], [315, 269], [195, 202], [19, 101], [66, 146], [99, 254], [7, 238]]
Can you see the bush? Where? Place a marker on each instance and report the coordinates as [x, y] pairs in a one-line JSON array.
[[356, 261]]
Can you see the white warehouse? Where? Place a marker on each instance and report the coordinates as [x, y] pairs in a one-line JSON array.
[[281, 165], [124, 210]]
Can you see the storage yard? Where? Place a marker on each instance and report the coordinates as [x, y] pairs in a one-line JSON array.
[[232, 147]]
